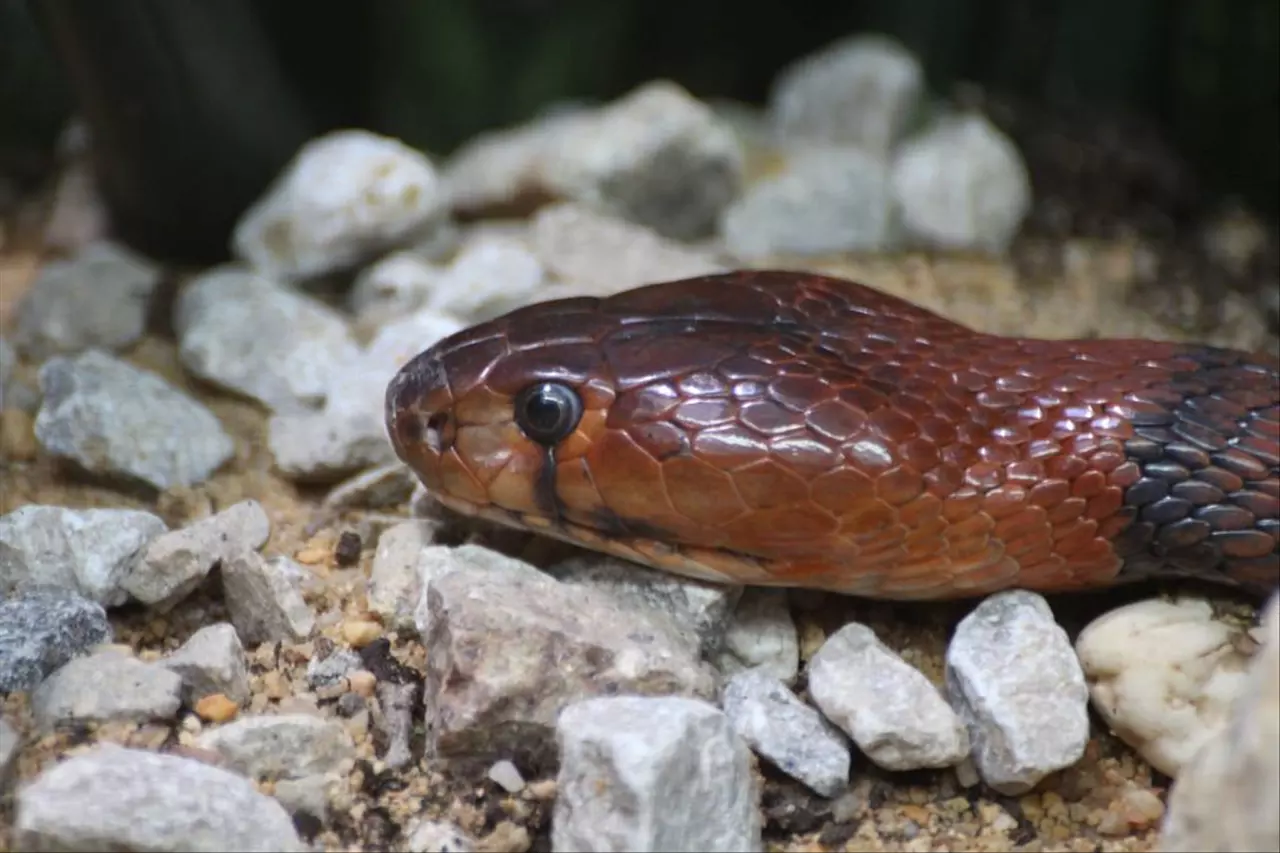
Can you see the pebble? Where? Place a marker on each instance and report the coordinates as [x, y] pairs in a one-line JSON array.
[[1163, 674], [307, 796], [112, 798], [392, 287], [657, 157], [786, 732], [345, 198], [862, 90], [174, 564], [437, 836], [506, 776], [652, 774], [594, 254], [961, 184], [1014, 678], [244, 332], [825, 200], [1225, 795], [395, 583], [211, 663], [283, 746], [216, 708], [762, 635], [264, 598], [384, 486], [491, 275], [41, 629], [332, 671], [118, 421], [8, 360], [397, 702], [510, 648], [88, 551], [98, 298], [106, 686], [359, 633], [895, 715]]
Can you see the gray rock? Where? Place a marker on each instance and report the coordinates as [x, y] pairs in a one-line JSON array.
[[652, 774], [894, 714], [762, 635], [397, 702], [286, 746], [329, 671], [508, 649], [961, 185], [43, 628], [113, 798], [389, 485], [88, 551], [437, 836], [115, 420], [345, 198], [786, 732], [1014, 678], [107, 686], [307, 796], [246, 333], [10, 741], [96, 299], [210, 662], [174, 564], [264, 598], [862, 90], [436, 561], [8, 360], [395, 583], [826, 200], [656, 157]]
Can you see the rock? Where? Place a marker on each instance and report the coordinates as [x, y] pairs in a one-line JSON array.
[[211, 662], [395, 585], [508, 649], [1164, 675], [656, 157], [391, 288], [597, 255], [397, 702], [1226, 794], [77, 215], [651, 774], [346, 197], [762, 635], [328, 672], [264, 598], [825, 200], [491, 275], [308, 796], [386, 486], [88, 551], [107, 686], [786, 732], [961, 185], [8, 360], [96, 299], [862, 90], [10, 742], [506, 776], [112, 798], [699, 611], [174, 564], [437, 836], [285, 746], [246, 333], [436, 561], [895, 715], [115, 420], [43, 628], [1013, 677]]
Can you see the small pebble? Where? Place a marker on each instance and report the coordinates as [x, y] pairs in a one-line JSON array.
[[216, 708], [363, 682], [347, 552], [505, 775], [360, 632]]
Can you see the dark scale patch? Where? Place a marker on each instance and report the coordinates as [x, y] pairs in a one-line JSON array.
[[1206, 502]]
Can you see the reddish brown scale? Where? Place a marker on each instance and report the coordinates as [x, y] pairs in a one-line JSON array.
[[788, 429]]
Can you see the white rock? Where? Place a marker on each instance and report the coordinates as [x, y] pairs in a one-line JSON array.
[[1164, 675], [897, 717], [173, 564], [436, 561], [437, 836], [863, 90], [1015, 680], [786, 732], [107, 686], [329, 671], [961, 185], [264, 598], [288, 746], [491, 275], [652, 774], [88, 551], [113, 798], [345, 197], [306, 796], [115, 420], [211, 661], [395, 585], [506, 776], [1225, 797], [244, 332], [762, 635], [392, 288]]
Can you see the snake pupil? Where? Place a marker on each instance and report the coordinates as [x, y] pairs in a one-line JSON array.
[[548, 412]]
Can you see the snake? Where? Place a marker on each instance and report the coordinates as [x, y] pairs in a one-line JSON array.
[[788, 429]]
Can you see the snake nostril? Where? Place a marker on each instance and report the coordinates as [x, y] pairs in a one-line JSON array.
[[433, 434]]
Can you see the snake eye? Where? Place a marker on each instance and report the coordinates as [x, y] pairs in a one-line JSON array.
[[548, 412]]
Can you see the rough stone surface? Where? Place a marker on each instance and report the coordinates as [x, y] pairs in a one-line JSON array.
[[109, 685], [652, 774], [395, 583], [1013, 677], [391, 288], [115, 420], [762, 635], [898, 718], [114, 798], [88, 551], [438, 836], [264, 598], [10, 741], [212, 661], [491, 275], [287, 746], [41, 629]]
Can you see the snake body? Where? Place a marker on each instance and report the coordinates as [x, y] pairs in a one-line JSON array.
[[787, 429]]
